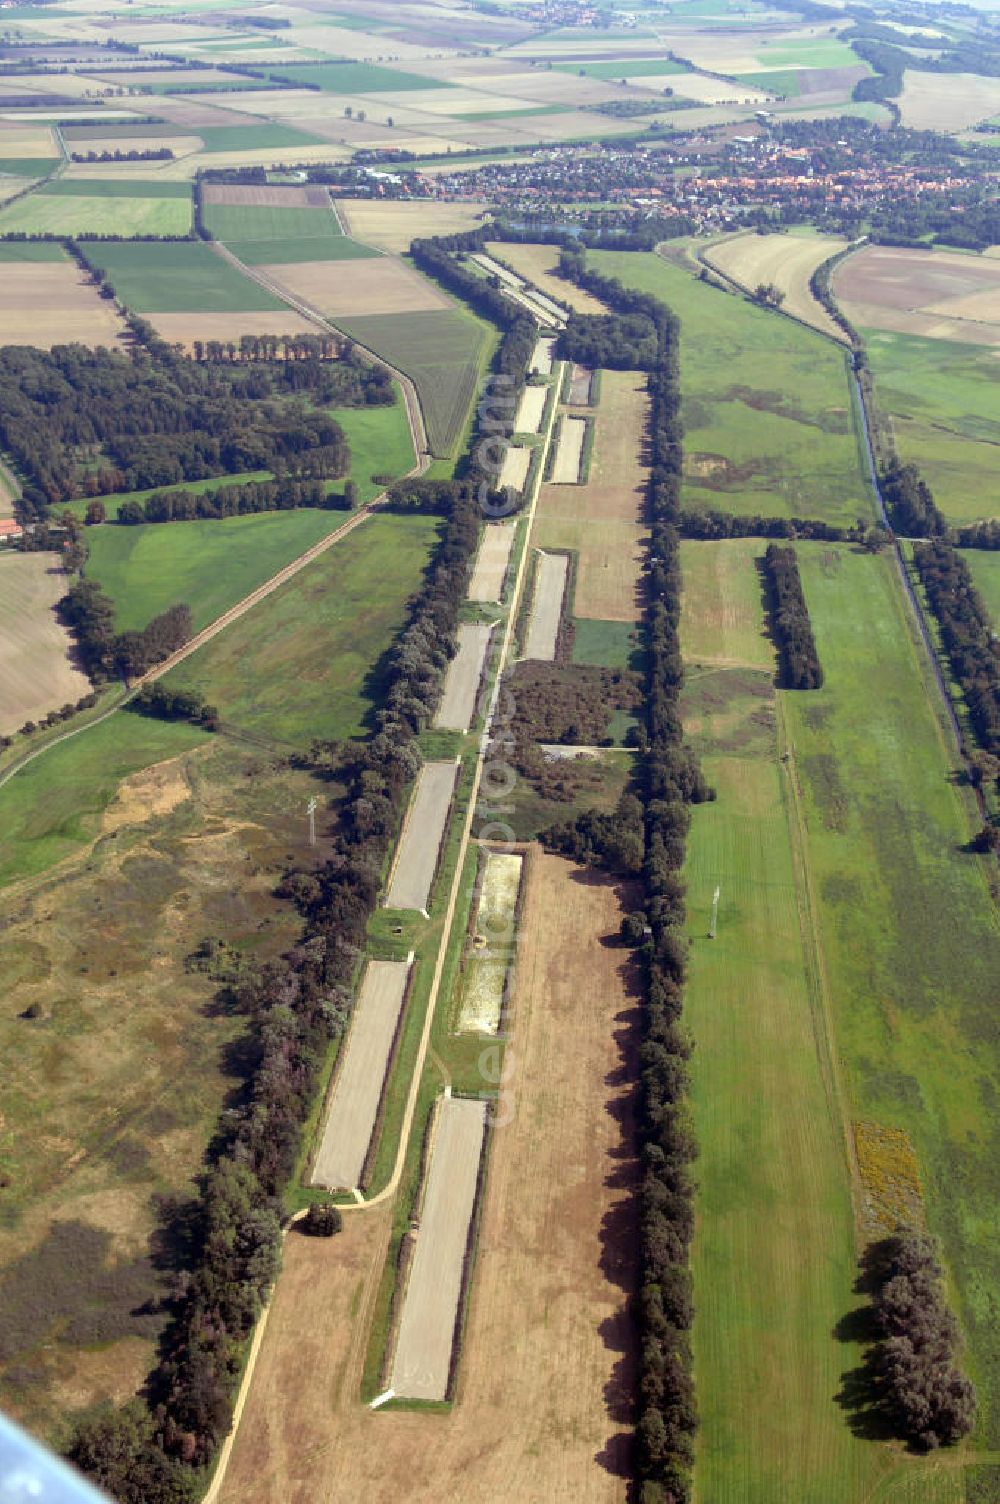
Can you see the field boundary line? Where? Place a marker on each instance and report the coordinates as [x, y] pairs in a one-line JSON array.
[[817, 979]]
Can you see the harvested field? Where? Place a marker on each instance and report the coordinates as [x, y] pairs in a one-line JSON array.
[[54, 304], [185, 328], [566, 469], [487, 970], [541, 361], [947, 101], [516, 461], [706, 90], [392, 226], [538, 264], [937, 294], [616, 487], [181, 146], [546, 607], [263, 196], [420, 842], [357, 1088], [377, 285], [461, 684], [36, 674], [530, 409], [492, 560], [610, 560], [422, 1362], [787, 261], [580, 386]]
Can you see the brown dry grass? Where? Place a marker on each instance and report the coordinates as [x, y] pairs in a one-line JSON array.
[[542, 1413], [538, 263], [788, 261], [947, 101], [36, 674], [184, 328], [391, 226], [152, 791], [54, 303], [380, 284]]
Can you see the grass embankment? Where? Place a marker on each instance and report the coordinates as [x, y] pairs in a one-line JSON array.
[[304, 663], [768, 413], [907, 926], [773, 1257], [942, 399]]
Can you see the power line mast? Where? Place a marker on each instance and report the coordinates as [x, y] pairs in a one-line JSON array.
[[311, 812]]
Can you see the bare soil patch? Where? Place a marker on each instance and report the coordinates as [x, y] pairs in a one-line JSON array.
[[36, 672], [261, 195], [538, 264], [357, 1089], [151, 792], [422, 1360], [420, 843], [464, 676], [581, 381], [546, 607], [492, 560], [934, 293], [378, 284], [54, 303]]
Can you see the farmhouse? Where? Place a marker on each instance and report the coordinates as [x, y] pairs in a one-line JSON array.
[[10, 530]]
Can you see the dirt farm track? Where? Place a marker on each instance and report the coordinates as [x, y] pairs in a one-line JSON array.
[[552, 1280]]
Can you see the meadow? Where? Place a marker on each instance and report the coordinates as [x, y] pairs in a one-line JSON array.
[[768, 408], [102, 214], [355, 78], [942, 399], [906, 923], [985, 571], [262, 234], [443, 352], [178, 277], [304, 663]]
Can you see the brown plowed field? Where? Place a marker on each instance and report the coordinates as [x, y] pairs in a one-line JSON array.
[[262, 196], [939, 294], [376, 284], [543, 1409], [184, 328], [54, 303]]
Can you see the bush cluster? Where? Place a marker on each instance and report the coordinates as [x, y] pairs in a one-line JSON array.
[[800, 665], [164, 704], [90, 616]]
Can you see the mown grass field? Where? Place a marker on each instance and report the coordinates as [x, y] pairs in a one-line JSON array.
[[442, 351], [81, 214], [303, 664], [269, 222], [942, 399], [907, 925], [267, 137], [208, 565], [179, 277], [768, 408], [985, 570]]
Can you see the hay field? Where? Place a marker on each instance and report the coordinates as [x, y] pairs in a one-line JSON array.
[[937, 294], [706, 90], [422, 1361], [554, 1272], [537, 263], [361, 1071], [391, 226], [787, 261], [611, 559], [722, 608], [492, 559], [420, 840], [947, 101], [36, 673], [54, 303], [378, 285], [461, 683], [551, 572]]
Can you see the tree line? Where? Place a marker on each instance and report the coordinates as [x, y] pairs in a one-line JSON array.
[[90, 615], [800, 665], [163, 704], [81, 422], [967, 634], [158, 1451], [910, 502], [246, 500]]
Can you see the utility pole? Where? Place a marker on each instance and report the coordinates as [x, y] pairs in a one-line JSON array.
[[311, 812]]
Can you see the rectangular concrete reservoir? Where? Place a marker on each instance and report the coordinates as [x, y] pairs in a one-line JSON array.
[[462, 681], [546, 607], [357, 1090], [426, 1337], [541, 361], [491, 562], [566, 470], [530, 409], [420, 841], [514, 471]]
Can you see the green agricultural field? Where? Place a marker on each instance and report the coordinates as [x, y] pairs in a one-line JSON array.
[[778, 81], [626, 67], [823, 53], [355, 78], [31, 250], [178, 277], [29, 167], [208, 565], [380, 442], [112, 503], [608, 644], [942, 399], [246, 222], [300, 665], [442, 351], [53, 807], [768, 406], [985, 570], [113, 188], [217, 138], [283, 252], [60, 214], [906, 922]]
